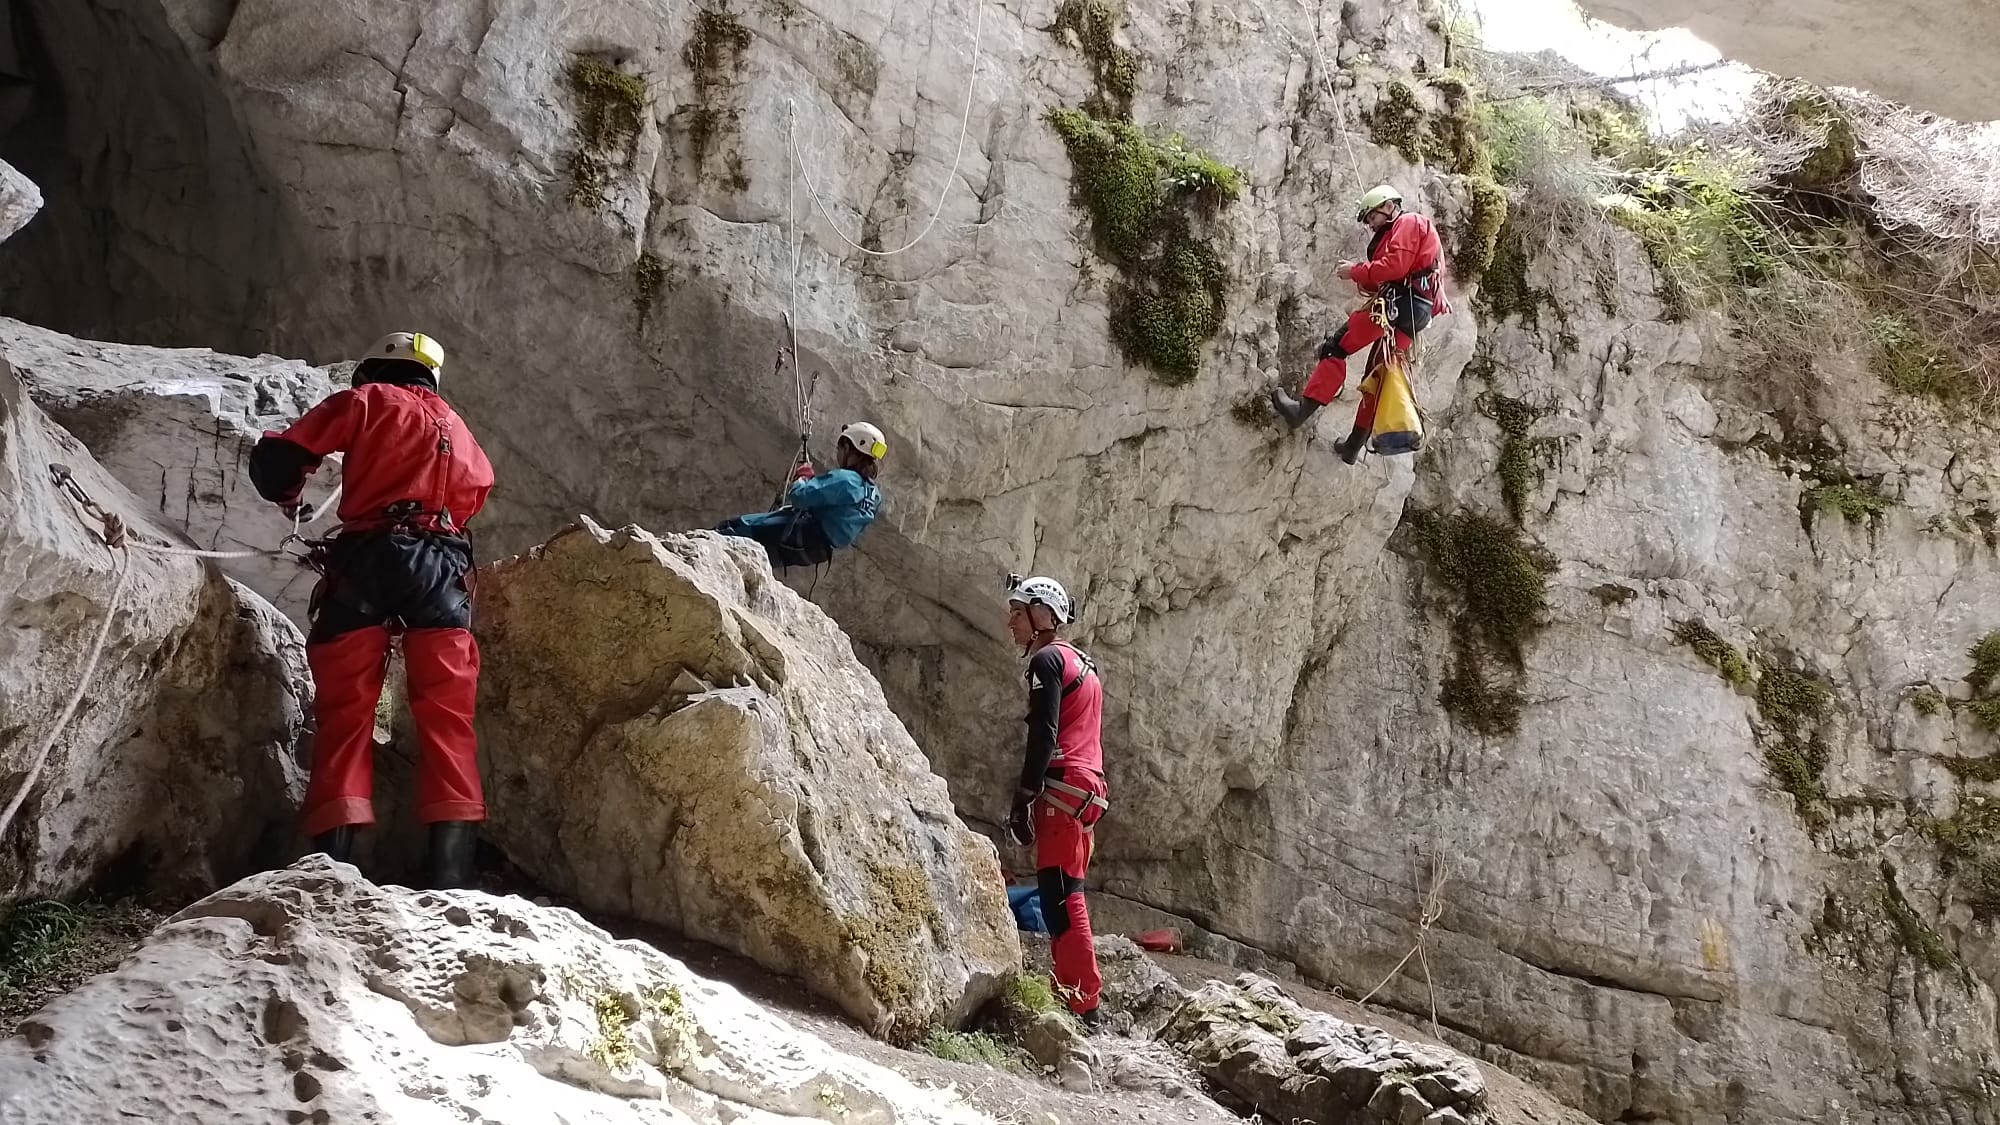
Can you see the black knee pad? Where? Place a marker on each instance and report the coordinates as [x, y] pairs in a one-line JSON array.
[[1330, 348], [1053, 888]]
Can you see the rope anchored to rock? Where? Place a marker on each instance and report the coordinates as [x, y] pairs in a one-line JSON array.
[[120, 538]]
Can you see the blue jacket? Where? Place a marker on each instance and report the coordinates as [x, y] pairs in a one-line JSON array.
[[840, 502]]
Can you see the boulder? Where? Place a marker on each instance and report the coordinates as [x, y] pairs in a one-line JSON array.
[[19, 200], [668, 733], [179, 760], [310, 995], [1255, 1041], [175, 426]]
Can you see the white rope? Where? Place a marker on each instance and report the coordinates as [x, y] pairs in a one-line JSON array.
[[41, 755], [964, 127]]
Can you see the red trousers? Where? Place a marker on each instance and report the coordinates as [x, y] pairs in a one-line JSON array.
[[347, 671], [1063, 847], [1329, 375]]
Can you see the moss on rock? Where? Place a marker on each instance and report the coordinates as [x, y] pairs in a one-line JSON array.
[[1145, 197], [1479, 240], [1504, 290], [1397, 121], [1116, 70], [1520, 467], [1498, 591], [611, 107], [1720, 654]]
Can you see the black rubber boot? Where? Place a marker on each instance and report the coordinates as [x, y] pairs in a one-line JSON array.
[[1293, 410], [1349, 447], [1093, 1020], [338, 844], [453, 845]]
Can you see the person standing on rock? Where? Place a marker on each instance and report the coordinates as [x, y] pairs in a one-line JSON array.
[[1401, 272], [822, 513], [1061, 794], [413, 477]]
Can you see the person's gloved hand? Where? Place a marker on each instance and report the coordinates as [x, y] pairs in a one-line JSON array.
[[299, 511], [1021, 818]]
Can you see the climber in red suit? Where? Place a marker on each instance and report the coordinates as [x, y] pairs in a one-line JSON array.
[[412, 478], [1061, 794], [1404, 257]]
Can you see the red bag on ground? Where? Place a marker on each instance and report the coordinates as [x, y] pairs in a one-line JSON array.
[[1159, 941]]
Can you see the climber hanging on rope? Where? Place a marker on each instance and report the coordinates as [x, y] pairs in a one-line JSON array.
[[401, 563], [1401, 280], [821, 512], [1060, 797]]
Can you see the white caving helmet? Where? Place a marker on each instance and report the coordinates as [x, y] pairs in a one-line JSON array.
[[865, 439], [412, 346], [1040, 591]]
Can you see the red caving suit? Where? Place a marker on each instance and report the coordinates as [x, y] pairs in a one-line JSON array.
[[1065, 706]]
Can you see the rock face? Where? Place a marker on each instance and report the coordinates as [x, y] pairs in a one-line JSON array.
[[19, 200], [1294, 1065], [309, 994], [178, 764], [670, 734], [175, 426], [1823, 41], [1638, 902]]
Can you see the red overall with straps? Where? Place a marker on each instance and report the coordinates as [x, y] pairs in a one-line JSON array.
[[404, 446], [1408, 246], [1064, 842]]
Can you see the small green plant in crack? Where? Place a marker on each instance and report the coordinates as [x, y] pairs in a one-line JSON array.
[[1912, 932], [1858, 502], [649, 275], [1720, 654], [1520, 455], [1928, 702], [613, 1045], [978, 1047], [611, 107], [1116, 70], [1792, 706]]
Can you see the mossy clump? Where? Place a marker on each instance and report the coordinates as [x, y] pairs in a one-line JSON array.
[[1504, 290], [1985, 657], [1144, 196], [1912, 932], [1116, 70], [1928, 702], [1970, 842], [1499, 588], [1837, 156], [649, 275], [1499, 580], [1472, 698], [1793, 705], [891, 935], [1520, 455], [713, 54], [1720, 654], [1397, 121], [979, 1047], [1984, 770], [612, 105], [1986, 712], [1452, 138], [1859, 502], [1479, 240]]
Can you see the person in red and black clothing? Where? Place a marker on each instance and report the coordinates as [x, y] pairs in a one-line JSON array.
[[412, 478], [1061, 794], [1404, 258]]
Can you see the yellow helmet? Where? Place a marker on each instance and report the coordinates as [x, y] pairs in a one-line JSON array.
[[413, 346]]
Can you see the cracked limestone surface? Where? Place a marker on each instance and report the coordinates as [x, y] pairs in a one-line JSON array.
[[669, 734], [178, 764], [175, 426], [309, 994]]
